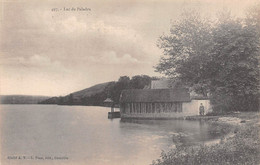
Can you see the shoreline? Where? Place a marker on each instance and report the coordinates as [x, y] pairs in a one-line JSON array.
[[240, 144]]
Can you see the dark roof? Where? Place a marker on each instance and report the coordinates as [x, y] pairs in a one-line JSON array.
[[155, 95]]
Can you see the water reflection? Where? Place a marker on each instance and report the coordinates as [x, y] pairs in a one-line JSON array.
[[182, 132]]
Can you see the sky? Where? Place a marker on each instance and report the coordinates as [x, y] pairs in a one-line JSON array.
[[54, 53]]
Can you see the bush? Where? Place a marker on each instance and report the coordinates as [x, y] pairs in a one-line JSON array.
[[223, 103]]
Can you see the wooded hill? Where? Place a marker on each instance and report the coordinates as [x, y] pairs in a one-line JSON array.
[[96, 94]]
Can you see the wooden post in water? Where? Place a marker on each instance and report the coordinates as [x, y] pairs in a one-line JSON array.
[[112, 108]]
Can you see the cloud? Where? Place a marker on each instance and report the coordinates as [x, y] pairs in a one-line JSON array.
[[78, 49], [111, 57], [38, 62], [74, 36], [90, 26]]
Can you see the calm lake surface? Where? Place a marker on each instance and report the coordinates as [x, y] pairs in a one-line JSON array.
[[84, 135]]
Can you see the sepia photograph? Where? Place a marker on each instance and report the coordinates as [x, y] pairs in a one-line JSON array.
[[129, 82]]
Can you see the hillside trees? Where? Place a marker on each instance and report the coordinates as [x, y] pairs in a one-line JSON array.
[[124, 82], [112, 90], [139, 81], [219, 58]]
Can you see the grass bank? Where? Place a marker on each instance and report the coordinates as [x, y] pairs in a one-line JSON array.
[[241, 146]]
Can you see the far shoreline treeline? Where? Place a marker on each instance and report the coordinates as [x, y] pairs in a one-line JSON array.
[[21, 99]]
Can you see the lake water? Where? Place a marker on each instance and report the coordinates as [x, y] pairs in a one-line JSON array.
[[84, 135]]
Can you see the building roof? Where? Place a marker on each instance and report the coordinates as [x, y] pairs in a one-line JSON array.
[[155, 95]]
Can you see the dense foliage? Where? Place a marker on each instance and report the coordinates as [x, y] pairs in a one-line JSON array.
[[217, 59]]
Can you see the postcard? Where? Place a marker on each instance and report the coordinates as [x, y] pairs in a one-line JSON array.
[[130, 82]]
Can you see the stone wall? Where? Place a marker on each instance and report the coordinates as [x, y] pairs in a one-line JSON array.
[[192, 108]]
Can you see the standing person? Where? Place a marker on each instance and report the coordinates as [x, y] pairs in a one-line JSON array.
[[201, 109]]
